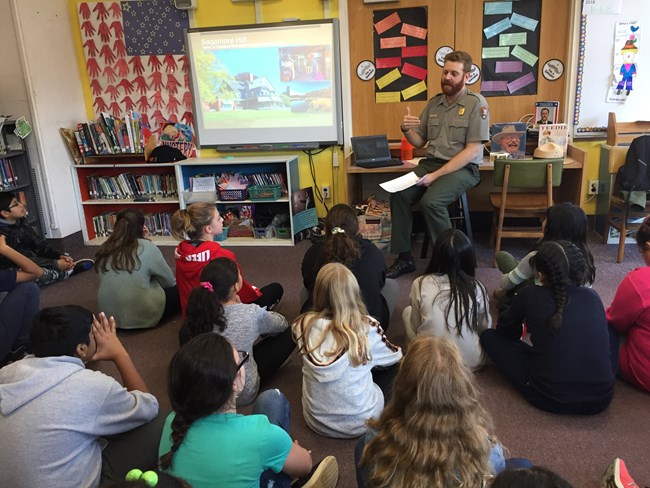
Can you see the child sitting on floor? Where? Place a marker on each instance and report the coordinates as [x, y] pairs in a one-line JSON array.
[[434, 430], [568, 368], [198, 225], [215, 306], [19, 304], [56, 264], [136, 285], [448, 301], [629, 316], [563, 221], [208, 444], [340, 345]]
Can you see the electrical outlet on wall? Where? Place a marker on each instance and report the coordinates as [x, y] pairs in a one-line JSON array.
[[325, 190], [592, 188]]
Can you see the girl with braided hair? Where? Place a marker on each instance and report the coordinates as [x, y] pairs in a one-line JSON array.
[[629, 316], [215, 306], [563, 222], [343, 244], [206, 443], [568, 368]]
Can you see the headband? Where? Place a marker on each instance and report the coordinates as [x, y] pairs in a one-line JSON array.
[[207, 285]]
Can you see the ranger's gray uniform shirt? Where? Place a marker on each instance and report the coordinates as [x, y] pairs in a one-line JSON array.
[[450, 128]]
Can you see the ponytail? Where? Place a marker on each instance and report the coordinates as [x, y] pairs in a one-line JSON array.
[[199, 383]]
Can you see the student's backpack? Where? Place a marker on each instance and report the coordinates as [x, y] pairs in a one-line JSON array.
[[634, 174]]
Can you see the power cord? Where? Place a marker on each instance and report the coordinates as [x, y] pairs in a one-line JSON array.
[[312, 169]]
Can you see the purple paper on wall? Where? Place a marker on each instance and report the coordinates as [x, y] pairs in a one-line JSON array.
[[508, 67], [521, 82], [492, 86]]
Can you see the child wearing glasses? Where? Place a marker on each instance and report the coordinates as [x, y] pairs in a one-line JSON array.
[[340, 345], [215, 306], [207, 443], [56, 264]]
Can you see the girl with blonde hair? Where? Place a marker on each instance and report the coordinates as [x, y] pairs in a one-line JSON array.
[[196, 226], [434, 431], [340, 345]]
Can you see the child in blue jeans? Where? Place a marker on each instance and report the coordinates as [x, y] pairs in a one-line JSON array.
[[57, 265]]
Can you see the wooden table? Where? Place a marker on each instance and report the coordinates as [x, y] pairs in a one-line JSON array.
[[361, 182]]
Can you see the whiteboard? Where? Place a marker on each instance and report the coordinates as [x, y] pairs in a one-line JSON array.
[[596, 66]]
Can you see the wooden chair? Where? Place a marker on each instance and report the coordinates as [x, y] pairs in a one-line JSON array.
[[620, 215], [623, 133], [526, 192]]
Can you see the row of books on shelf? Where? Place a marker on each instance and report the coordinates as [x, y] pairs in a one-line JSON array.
[[159, 224], [229, 180], [111, 135], [8, 176], [128, 185]]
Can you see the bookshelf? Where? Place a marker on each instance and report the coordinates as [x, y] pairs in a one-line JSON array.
[[104, 176], [107, 184], [264, 210], [16, 174]]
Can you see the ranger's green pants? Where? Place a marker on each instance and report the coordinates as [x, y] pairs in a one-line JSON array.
[[433, 202]]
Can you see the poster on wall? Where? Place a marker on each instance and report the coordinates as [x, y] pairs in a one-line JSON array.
[[135, 59], [400, 45], [510, 54], [627, 41]]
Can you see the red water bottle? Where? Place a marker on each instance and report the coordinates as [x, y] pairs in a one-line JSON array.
[[407, 150]]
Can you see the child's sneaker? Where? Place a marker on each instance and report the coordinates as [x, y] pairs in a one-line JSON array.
[[617, 476], [324, 475], [82, 265]]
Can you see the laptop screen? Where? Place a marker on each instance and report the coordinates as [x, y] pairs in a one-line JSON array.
[[370, 148]]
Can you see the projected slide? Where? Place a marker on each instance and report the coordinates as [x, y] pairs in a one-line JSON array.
[[274, 79], [267, 86]]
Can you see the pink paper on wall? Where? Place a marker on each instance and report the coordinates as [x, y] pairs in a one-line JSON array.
[[390, 42], [394, 62], [414, 51], [414, 71], [414, 31], [387, 23]]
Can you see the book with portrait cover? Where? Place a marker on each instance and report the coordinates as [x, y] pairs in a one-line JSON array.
[[556, 134], [546, 113], [509, 139]]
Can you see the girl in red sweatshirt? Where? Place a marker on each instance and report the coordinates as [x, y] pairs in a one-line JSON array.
[[196, 226]]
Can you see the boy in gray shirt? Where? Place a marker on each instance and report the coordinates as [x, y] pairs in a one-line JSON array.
[[53, 410]]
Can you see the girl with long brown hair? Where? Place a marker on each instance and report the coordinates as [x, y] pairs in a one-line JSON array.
[[136, 285]]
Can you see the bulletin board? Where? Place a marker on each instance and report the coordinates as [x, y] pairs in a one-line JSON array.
[[595, 69], [457, 24]]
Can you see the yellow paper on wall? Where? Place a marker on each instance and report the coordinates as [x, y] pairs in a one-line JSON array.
[[388, 78]]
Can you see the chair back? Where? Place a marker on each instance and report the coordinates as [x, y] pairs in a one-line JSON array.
[[617, 156], [527, 173]]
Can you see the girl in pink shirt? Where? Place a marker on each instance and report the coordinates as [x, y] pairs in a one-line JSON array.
[[629, 315]]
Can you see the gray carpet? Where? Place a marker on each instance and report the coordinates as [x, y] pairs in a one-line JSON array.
[[578, 448]]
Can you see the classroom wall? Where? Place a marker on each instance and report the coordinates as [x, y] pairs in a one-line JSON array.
[[210, 13], [43, 69], [40, 80]]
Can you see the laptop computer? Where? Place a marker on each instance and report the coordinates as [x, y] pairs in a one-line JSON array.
[[373, 152]]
